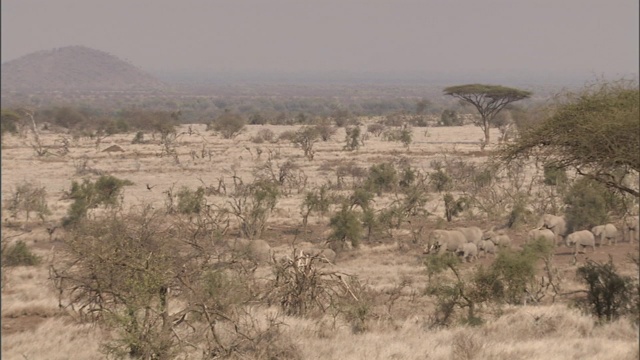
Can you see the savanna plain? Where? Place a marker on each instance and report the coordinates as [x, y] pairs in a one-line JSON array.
[[193, 291]]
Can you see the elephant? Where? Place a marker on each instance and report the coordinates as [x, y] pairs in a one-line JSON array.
[[607, 231], [546, 234], [473, 234], [325, 255], [581, 238], [469, 251], [498, 238], [256, 250], [443, 240], [557, 224], [630, 228], [487, 247]]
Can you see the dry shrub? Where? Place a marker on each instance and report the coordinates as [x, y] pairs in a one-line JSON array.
[[526, 323], [465, 345]]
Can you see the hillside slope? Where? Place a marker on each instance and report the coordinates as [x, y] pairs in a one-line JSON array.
[[74, 68]]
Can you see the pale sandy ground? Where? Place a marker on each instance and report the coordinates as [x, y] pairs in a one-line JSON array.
[[34, 329]]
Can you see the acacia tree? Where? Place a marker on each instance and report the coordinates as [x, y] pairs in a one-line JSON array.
[[488, 100], [595, 131]]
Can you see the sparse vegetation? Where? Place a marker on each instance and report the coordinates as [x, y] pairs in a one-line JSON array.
[[376, 207]]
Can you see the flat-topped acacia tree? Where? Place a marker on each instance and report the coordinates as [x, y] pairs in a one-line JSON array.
[[488, 99]]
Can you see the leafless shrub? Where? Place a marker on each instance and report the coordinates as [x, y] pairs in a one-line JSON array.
[[28, 197], [302, 287]]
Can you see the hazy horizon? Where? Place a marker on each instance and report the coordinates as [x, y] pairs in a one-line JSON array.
[[475, 40]]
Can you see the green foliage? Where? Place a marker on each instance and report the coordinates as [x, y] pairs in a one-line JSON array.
[[440, 180], [229, 125], [106, 191], [305, 138], [18, 254], [325, 130], [508, 279], [138, 138], [189, 201], [345, 226], [352, 138], [28, 197], [453, 207], [450, 118], [361, 197], [382, 177], [252, 204], [554, 175], [68, 117], [9, 121], [403, 135], [595, 131], [609, 294], [588, 203], [489, 100]]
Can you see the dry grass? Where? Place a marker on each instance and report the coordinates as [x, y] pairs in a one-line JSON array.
[[392, 268]]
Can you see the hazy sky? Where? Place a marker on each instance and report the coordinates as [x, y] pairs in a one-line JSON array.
[[596, 37]]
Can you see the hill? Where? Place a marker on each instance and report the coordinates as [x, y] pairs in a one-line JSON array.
[[74, 68]]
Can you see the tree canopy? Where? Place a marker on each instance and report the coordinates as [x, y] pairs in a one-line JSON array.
[[595, 131], [487, 99]]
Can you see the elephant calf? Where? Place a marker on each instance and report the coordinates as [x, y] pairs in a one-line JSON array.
[[469, 251], [545, 234], [498, 238], [581, 239], [607, 231], [487, 247]]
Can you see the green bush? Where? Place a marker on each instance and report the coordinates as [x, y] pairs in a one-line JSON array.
[[554, 175], [352, 138], [440, 181], [345, 226], [382, 177], [229, 125], [609, 294], [105, 191], [588, 203], [189, 201], [19, 254], [450, 118], [138, 138]]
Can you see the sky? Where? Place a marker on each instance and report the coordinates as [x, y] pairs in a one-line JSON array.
[[593, 38]]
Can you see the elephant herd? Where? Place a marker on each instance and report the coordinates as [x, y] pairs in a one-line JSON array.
[[469, 242], [555, 227]]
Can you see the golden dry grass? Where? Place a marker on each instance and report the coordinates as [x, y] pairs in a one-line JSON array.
[[400, 329]]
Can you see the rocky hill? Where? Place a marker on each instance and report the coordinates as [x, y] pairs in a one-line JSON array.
[[74, 68]]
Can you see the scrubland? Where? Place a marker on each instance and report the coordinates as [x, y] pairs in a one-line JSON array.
[[398, 321]]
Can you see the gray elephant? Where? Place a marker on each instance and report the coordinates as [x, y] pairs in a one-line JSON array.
[[581, 239], [444, 240], [607, 231], [325, 255], [487, 247], [545, 234], [499, 238], [256, 250], [473, 234], [630, 228], [469, 251], [557, 224]]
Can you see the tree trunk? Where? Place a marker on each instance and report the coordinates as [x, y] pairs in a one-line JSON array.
[[487, 136]]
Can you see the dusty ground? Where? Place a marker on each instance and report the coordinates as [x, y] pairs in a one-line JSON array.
[[28, 303]]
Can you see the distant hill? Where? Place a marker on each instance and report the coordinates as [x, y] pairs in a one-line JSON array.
[[74, 68]]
